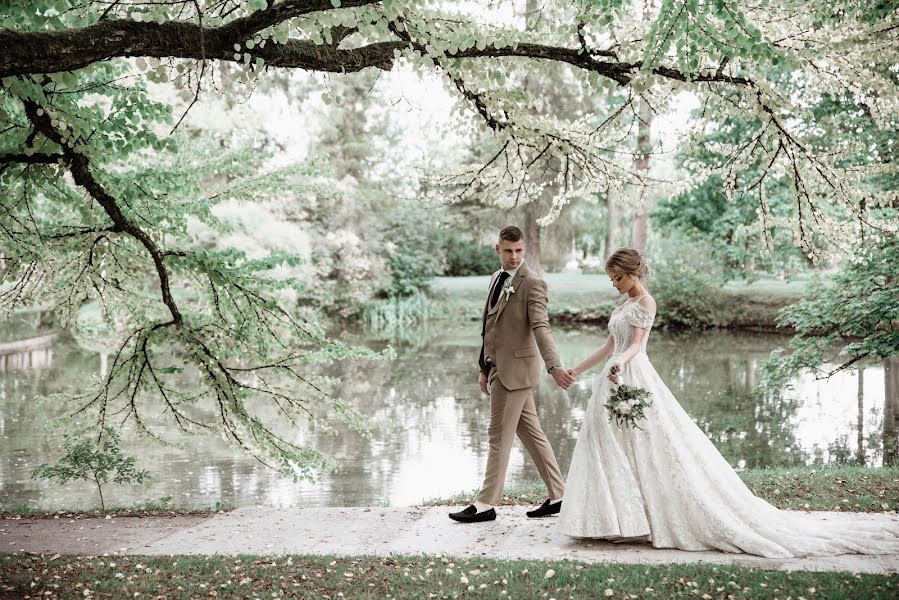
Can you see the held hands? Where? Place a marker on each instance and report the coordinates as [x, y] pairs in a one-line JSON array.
[[615, 372], [564, 378]]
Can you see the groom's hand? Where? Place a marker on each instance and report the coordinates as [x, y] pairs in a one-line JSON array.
[[563, 378], [482, 379]]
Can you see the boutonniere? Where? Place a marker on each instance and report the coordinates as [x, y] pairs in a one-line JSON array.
[[508, 290]]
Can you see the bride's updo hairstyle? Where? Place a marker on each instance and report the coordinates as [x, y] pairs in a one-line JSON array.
[[629, 262]]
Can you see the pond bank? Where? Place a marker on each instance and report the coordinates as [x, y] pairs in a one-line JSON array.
[[854, 489], [739, 313]]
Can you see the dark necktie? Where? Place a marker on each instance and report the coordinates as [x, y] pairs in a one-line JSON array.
[[498, 288], [494, 296]]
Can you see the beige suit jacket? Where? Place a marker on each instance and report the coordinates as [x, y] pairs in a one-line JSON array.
[[517, 329]]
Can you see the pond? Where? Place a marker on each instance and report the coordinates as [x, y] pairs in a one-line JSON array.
[[430, 437]]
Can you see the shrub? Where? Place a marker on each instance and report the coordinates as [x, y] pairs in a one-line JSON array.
[[411, 269], [348, 273], [687, 287], [97, 462], [465, 257]]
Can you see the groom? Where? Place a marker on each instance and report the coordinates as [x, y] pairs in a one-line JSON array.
[[515, 327]]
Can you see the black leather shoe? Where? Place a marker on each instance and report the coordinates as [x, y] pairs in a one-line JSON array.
[[471, 515], [546, 509]]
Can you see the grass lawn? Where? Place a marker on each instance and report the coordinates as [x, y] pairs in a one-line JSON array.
[[568, 287], [462, 298], [401, 578], [767, 287], [564, 288], [855, 489], [584, 297]]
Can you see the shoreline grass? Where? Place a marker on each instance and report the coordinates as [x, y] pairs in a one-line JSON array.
[[853, 489], [403, 577], [38, 513], [144, 509]]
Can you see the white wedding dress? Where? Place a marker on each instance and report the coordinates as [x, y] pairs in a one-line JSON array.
[[669, 485]]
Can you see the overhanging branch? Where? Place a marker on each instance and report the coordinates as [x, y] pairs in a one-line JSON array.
[[31, 159], [80, 167], [53, 51]]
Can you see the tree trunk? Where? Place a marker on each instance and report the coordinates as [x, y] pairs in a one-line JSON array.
[[641, 166], [532, 237], [100, 489], [641, 159], [891, 412], [532, 210], [611, 216]]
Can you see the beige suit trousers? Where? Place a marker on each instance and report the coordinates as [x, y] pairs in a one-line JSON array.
[[511, 412]]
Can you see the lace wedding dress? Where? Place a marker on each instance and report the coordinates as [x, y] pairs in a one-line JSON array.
[[668, 484]]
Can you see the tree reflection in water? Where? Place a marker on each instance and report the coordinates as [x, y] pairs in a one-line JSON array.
[[891, 412], [430, 421]]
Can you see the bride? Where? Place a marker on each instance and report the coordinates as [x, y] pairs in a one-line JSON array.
[[668, 484]]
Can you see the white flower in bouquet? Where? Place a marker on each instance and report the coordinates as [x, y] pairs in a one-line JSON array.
[[627, 404]]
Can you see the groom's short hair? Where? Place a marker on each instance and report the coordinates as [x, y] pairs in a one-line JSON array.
[[510, 234]]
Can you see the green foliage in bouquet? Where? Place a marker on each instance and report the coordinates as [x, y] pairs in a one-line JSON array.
[[627, 405]]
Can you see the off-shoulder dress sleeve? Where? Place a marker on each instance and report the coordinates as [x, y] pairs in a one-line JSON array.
[[640, 316]]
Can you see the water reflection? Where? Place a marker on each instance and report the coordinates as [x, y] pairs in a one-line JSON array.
[[890, 441], [431, 434]]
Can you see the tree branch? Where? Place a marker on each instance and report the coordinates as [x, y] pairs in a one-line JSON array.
[[79, 166], [33, 159], [65, 50], [76, 231], [48, 52]]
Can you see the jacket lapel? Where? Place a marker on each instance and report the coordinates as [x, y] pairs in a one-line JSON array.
[[487, 310], [516, 284]]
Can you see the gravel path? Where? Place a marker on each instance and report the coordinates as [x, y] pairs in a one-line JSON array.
[[376, 531]]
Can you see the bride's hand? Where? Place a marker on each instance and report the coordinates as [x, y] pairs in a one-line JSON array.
[[615, 372]]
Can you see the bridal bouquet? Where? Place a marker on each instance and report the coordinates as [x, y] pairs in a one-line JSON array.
[[627, 404]]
